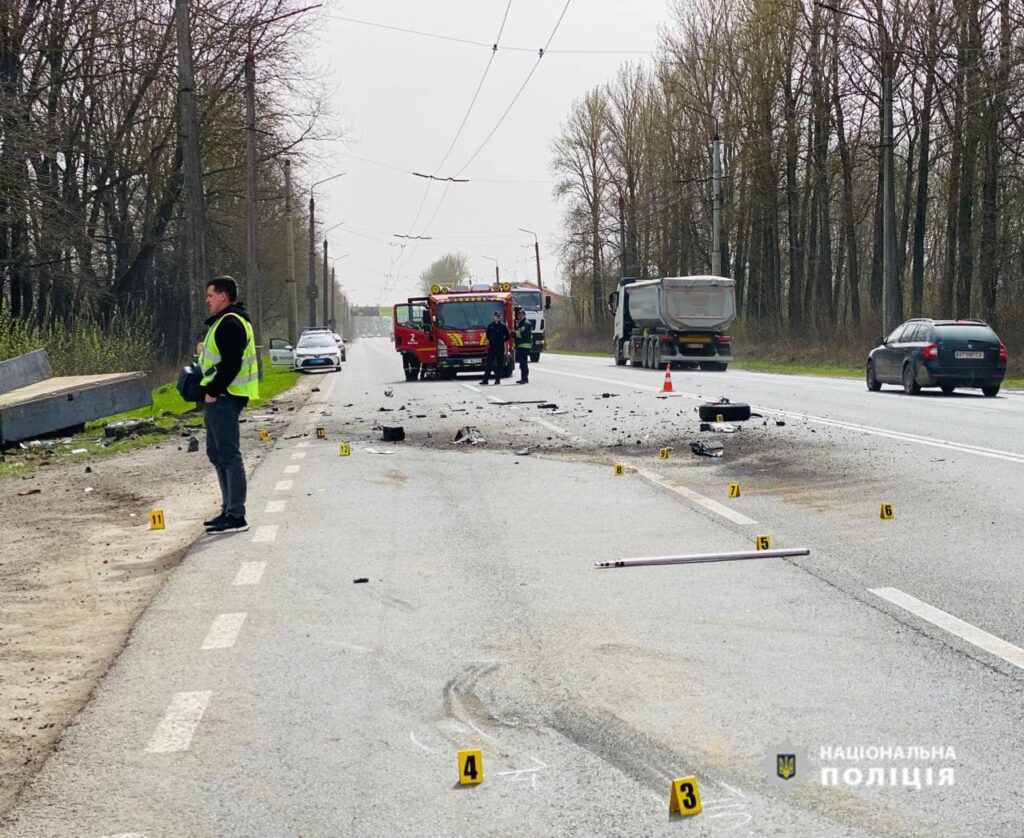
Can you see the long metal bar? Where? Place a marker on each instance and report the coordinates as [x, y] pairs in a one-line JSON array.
[[699, 558]]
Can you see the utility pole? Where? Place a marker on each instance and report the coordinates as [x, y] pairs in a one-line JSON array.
[[716, 212], [536, 253], [622, 235], [327, 296], [192, 164], [890, 291], [252, 233], [312, 261], [333, 286], [291, 298]]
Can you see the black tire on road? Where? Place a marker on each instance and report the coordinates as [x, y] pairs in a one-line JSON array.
[[411, 374], [947, 389], [874, 385], [990, 391], [910, 385], [534, 357], [730, 412]]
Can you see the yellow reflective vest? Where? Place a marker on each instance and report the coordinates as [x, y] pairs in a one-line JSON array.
[[246, 383]]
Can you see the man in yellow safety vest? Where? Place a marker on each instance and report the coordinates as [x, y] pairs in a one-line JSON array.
[[230, 380]]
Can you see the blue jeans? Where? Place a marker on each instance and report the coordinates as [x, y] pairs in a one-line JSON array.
[[221, 420]]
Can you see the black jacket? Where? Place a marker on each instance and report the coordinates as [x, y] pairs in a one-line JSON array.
[[497, 335], [230, 336]]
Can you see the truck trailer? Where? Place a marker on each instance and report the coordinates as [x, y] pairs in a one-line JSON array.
[[678, 321]]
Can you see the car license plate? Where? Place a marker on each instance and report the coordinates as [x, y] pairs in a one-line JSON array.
[[474, 360], [969, 356], [695, 346]]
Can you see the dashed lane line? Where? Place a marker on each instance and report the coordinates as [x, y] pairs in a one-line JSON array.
[[275, 506], [249, 573], [469, 387], [954, 625], [695, 497], [265, 533], [298, 455], [178, 726], [292, 469], [283, 485], [224, 631]]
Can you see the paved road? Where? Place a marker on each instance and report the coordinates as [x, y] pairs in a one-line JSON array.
[[265, 693]]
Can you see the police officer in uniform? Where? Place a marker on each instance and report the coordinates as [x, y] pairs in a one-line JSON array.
[[497, 337], [524, 345], [230, 380]]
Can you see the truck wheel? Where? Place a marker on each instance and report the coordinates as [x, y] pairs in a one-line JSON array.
[[729, 411], [618, 350], [411, 374], [646, 354], [534, 357]]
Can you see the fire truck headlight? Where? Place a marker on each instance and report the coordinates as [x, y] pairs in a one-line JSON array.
[[442, 350]]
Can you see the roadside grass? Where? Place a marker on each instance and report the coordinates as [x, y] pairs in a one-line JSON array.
[[169, 413]]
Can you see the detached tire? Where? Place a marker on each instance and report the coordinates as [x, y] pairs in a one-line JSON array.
[[729, 411]]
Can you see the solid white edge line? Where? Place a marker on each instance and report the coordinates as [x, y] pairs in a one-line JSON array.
[[224, 631], [469, 387], [249, 573], [178, 726], [265, 532], [954, 625], [696, 497]]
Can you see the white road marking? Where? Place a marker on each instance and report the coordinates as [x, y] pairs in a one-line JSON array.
[[1008, 456], [695, 497], [292, 469], [266, 532], [178, 726], [275, 506], [298, 455], [551, 426], [954, 625], [283, 485], [249, 573], [469, 387], [224, 631], [303, 444], [330, 388]]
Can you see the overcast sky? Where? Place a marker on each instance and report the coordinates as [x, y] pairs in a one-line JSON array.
[[401, 98]]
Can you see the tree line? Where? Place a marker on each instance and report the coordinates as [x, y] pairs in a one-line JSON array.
[[793, 87], [91, 161]]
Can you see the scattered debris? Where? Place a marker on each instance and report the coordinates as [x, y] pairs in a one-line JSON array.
[[524, 452], [193, 445], [719, 427], [469, 434], [385, 409], [707, 449], [122, 428], [88, 489], [30, 492], [388, 394], [547, 406], [315, 390], [779, 423], [393, 433], [609, 395], [88, 469], [79, 450], [360, 580]]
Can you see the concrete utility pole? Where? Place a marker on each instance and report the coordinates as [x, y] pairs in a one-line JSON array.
[[331, 321], [291, 298], [536, 253], [252, 268], [312, 260], [192, 164], [890, 291], [622, 236], [327, 294], [716, 212]]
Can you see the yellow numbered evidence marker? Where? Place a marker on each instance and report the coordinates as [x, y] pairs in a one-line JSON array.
[[763, 542], [734, 490], [321, 433], [156, 519], [886, 512], [344, 450], [471, 767], [684, 797], [264, 435], [663, 453], [619, 469]]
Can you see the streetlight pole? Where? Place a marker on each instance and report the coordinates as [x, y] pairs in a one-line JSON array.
[[716, 212], [291, 298], [327, 296], [252, 269], [497, 272], [312, 248], [536, 253]]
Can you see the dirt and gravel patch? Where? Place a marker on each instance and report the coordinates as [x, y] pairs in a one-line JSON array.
[[79, 564]]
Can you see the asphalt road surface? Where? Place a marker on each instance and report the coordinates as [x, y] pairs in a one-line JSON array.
[[266, 693]]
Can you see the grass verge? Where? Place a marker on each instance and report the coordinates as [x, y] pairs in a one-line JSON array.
[[169, 412]]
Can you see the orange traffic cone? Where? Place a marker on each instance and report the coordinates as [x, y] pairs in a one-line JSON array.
[[667, 386]]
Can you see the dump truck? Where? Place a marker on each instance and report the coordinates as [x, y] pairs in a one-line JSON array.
[[678, 321]]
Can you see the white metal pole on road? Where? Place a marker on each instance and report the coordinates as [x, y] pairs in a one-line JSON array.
[[700, 558]]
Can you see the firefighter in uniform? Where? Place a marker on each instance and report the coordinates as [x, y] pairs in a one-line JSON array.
[[524, 345], [497, 337], [230, 380]]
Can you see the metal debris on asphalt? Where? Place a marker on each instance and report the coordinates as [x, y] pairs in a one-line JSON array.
[[393, 433], [469, 434], [707, 449]]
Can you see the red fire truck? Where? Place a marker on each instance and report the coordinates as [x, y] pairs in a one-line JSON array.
[[445, 333]]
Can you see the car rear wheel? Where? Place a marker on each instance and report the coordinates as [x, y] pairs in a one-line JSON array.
[[910, 385], [948, 389], [874, 385], [990, 391]]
